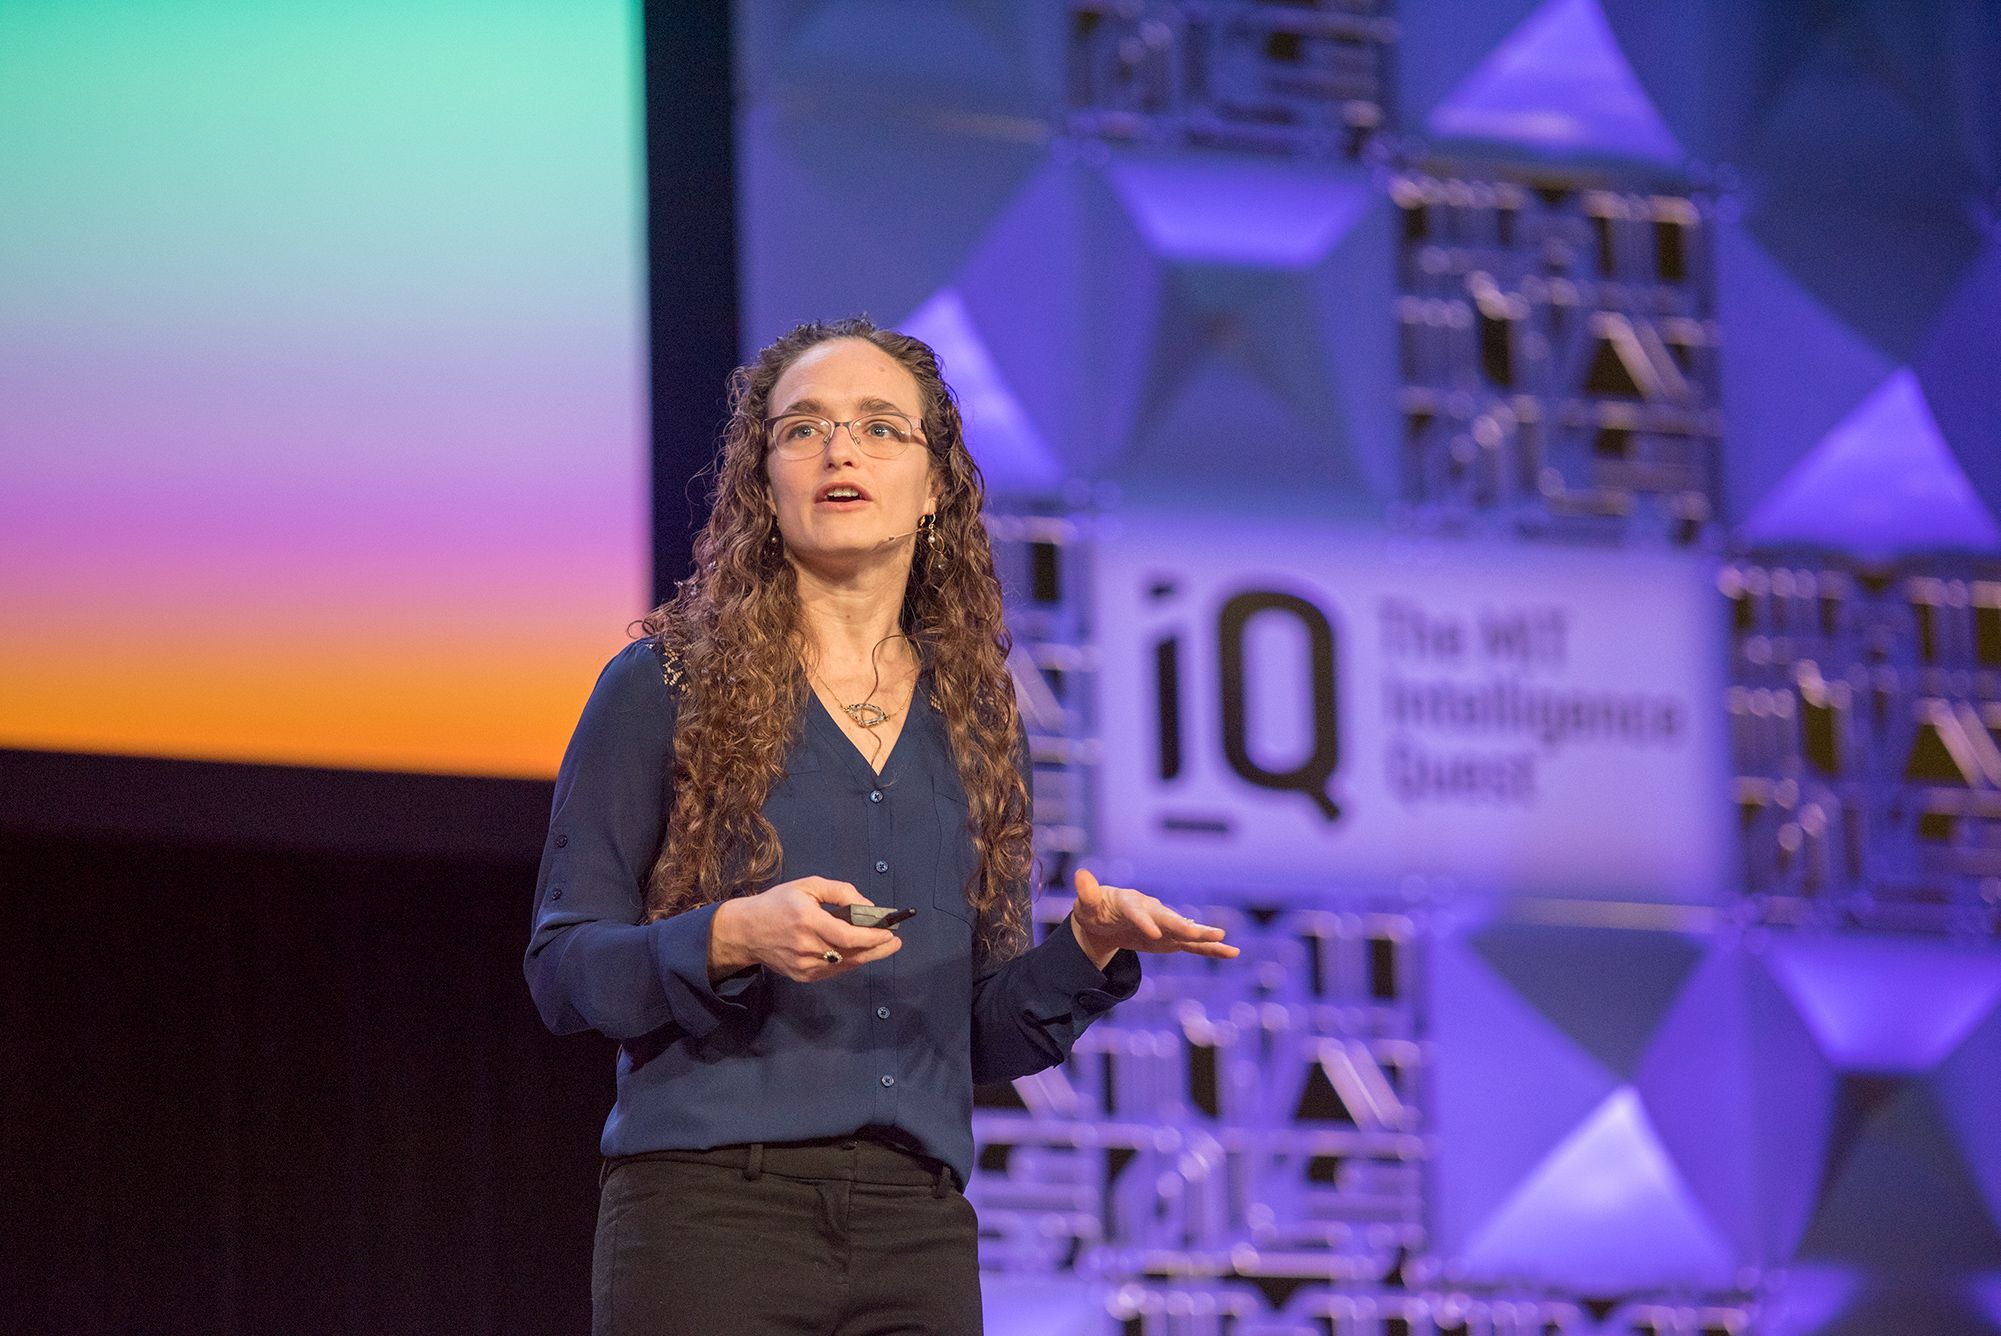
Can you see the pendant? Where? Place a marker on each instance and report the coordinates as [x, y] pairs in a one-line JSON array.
[[867, 714]]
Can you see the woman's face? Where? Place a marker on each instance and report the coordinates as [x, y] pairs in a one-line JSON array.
[[840, 505]]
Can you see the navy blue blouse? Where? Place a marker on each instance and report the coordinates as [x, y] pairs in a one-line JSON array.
[[895, 1045]]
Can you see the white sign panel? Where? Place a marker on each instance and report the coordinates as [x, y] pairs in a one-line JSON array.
[[1296, 711]]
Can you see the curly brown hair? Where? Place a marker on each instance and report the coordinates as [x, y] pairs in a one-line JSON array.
[[734, 630]]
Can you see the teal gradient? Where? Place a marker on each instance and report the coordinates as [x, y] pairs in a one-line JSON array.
[[341, 299]]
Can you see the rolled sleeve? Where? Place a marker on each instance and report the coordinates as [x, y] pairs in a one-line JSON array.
[[591, 961], [681, 963]]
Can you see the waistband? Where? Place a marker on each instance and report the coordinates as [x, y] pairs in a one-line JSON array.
[[857, 1158]]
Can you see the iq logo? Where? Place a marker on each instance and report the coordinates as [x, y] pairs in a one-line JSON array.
[[1304, 761], [1301, 710]]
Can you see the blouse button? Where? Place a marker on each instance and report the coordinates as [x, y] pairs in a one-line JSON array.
[[888, 1081], [875, 795], [562, 840], [881, 866], [882, 1013]]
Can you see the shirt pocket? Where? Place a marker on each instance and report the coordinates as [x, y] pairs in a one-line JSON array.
[[799, 808], [956, 856]]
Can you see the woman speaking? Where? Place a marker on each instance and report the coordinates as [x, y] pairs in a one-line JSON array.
[[788, 870]]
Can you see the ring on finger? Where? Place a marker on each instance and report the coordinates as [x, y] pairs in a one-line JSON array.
[[831, 956]]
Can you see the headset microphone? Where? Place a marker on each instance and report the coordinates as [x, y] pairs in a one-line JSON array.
[[899, 537]]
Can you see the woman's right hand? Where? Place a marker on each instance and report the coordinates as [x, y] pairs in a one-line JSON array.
[[785, 929]]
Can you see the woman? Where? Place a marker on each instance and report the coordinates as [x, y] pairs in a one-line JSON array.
[[821, 717]]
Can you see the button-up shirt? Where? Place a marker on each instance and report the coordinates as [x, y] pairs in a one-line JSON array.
[[894, 1047]]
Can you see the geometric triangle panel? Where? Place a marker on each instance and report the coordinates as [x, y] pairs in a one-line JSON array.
[[1233, 210], [1209, 417], [1510, 1087], [1791, 369], [1607, 1211], [1740, 1098], [1881, 1004], [1200, 325], [1885, 267], [1967, 1086], [1865, 175], [1899, 1195], [1956, 370], [949, 185], [1063, 287], [1442, 43], [1606, 988], [1882, 483], [1013, 457], [1559, 87], [1257, 380], [1873, 91]]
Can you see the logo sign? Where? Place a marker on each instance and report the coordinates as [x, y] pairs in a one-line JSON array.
[[1299, 712]]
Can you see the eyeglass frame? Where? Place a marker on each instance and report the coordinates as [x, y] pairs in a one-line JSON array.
[[917, 435]]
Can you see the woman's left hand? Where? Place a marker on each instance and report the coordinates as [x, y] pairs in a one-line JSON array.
[[1110, 918]]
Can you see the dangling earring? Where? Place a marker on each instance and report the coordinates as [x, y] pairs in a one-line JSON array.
[[927, 532]]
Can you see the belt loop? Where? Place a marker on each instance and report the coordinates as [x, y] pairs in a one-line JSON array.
[[944, 1178], [753, 1168]]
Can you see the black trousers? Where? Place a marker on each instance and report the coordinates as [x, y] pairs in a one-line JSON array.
[[845, 1237]]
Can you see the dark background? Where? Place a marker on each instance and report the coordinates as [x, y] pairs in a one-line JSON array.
[[269, 1064]]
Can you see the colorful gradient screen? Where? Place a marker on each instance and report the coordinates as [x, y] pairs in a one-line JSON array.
[[322, 391]]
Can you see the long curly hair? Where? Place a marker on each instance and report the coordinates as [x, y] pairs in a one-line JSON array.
[[734, 631]]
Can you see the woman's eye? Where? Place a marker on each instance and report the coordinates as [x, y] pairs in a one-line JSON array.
[[883, 429]]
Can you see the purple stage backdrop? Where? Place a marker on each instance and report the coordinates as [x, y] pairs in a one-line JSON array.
[[1503, 514]]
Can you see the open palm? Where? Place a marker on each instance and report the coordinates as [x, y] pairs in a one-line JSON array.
[[1114, 918]]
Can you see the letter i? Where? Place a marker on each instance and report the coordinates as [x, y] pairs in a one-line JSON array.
[[1167, 684]]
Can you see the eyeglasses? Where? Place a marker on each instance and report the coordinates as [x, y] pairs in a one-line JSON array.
[[885, 434]]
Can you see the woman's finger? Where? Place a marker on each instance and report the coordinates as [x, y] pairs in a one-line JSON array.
[[827, 891], [1087, 885], [1179, 924], [843, 936], [860, 958], [815, 967], [1188, 930], [1145, 917]]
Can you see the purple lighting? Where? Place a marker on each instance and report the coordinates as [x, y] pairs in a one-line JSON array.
[[1240, 211], [1884, 481], [1559, 83], [1986, 1296], [1011, 453], [1879, 1004], [1806, 1298], [1608, 1209], [1039, 1305], [1500, 1043]]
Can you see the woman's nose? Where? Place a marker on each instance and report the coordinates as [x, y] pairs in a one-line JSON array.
[[835, 447]]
